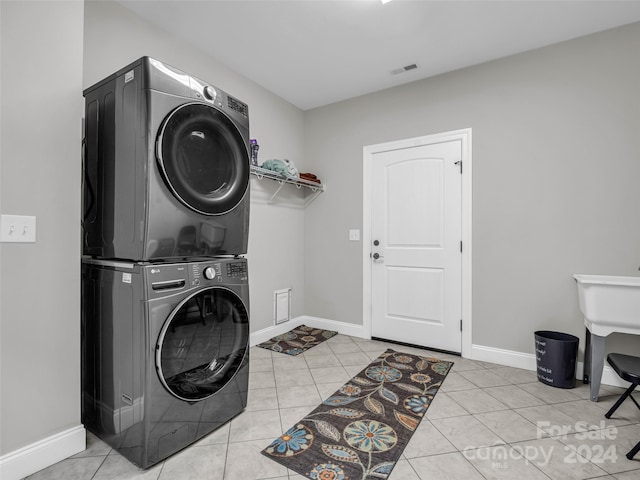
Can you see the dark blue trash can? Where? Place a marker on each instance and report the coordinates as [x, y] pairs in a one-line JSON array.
[[556, 355]]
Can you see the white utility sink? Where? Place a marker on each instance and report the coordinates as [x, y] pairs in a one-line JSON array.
[[609, 304]]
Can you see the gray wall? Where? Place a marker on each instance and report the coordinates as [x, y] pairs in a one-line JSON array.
[[41, 112], [114, 37], [556, 136]]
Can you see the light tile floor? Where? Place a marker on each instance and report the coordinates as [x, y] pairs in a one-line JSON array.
[[486, 422]]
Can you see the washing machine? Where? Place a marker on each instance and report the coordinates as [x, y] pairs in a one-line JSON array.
[[165, 352], [166, 166]]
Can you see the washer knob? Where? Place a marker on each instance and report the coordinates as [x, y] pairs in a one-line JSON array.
[[209, 92], [209, 273]]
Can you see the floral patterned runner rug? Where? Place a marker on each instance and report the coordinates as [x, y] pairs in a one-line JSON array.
[[296, 341], [361, 430]]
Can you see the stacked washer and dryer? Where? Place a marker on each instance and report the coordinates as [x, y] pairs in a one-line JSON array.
[[165, 295]]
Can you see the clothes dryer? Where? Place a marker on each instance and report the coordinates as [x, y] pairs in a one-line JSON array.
[[165, 352], [166, 167]]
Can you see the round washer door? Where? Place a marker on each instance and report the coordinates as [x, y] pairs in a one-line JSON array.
[[202, 344], [203, 158]]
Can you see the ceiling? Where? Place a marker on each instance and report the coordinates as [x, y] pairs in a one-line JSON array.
[[316, 52]]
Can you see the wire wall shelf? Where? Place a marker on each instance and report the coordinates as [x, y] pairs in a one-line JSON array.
[[299, 183]]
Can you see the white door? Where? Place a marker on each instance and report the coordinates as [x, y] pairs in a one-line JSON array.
[[416, 215]]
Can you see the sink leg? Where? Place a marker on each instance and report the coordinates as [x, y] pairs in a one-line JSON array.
[[596, 365], [587, 357]]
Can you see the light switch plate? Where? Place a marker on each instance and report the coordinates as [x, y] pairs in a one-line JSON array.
[[17, 229], [354, 235]]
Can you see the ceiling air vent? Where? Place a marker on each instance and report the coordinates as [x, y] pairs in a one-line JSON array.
[[406, 68]]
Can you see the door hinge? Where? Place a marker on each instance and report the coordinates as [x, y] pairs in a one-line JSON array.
[[460, 324], [459, 163], [460, 246]]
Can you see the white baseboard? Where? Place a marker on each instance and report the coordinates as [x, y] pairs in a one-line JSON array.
[[508, 358], [340, 327], [42, 454], [527, 361], [270, 332], [316, 322]]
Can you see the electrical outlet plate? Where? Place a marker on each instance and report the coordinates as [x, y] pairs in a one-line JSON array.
[[17, 229]]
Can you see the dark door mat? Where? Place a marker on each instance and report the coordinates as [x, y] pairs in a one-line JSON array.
[[298, 340]]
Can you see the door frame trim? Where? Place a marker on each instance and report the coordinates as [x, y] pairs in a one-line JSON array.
[[464, 135]]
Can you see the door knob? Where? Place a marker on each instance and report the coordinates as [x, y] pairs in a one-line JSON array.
[[377, 256]]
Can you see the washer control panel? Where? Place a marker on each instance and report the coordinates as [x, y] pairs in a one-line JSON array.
[[209, 273], [236, 269], [164, 278]]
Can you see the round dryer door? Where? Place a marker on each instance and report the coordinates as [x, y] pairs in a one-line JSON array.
[[203, 158], [202, 344]]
